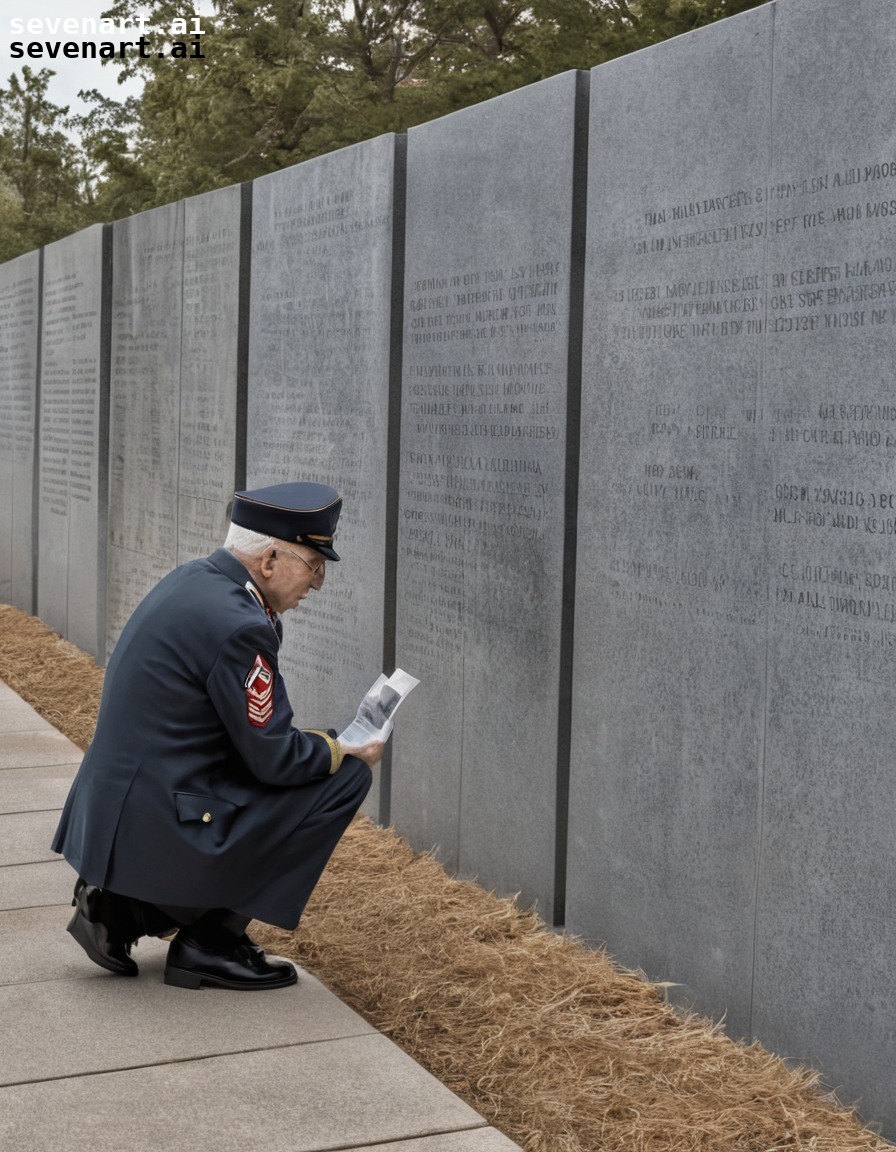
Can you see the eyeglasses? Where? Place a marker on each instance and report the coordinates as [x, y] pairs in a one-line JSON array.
[[315, 570]]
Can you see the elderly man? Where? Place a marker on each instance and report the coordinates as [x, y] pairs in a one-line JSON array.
[[198, 805]]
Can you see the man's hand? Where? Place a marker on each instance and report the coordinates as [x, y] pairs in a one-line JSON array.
[[370, 753]]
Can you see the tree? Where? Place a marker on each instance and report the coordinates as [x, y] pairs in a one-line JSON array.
[[645, 22], [281, 81], [286, 80], [43, 175], [232, 115], [115, 185]]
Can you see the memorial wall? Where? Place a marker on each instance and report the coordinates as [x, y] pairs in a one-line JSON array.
[[827, 878], [606, 383], [489, 281], [19, 359], [144, 399], [174, 391], [323, 371], [73, 438], [211, 455], [671, 615], [733, 719]]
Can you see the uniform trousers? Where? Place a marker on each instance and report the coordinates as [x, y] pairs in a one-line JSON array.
[[309, 849]]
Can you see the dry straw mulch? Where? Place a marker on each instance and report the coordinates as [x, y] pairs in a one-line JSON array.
[[551, 1041], [57, 679]]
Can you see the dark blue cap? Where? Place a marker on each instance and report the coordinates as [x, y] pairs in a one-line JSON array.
[[306, 513]]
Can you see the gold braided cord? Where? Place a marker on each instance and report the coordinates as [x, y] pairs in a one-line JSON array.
[[337, 755]]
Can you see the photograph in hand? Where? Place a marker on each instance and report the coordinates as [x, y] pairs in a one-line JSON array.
[[376, 713]]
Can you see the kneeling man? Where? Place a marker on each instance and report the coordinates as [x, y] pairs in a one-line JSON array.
[[198, 806]]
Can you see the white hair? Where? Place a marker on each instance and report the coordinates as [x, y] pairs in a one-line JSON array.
[[246, 542]]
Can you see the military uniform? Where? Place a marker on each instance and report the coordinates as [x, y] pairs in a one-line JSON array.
[[196, 788], [197, 793]]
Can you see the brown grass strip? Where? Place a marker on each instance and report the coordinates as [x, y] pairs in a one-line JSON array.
[[551, 1041], [58, 680]]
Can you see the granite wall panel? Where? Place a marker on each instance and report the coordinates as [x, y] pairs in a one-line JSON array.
[[671, 618], [174, 391], [321, 362], [826, 926], [729, 820], [19, 359], [489, 279], [73, 456]]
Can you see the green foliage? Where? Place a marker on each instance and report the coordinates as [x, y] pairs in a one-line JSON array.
[[43, 179], [651, 21], [104, 134], [282, 81]]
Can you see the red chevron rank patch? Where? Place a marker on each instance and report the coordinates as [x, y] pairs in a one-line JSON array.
[[260, 693]]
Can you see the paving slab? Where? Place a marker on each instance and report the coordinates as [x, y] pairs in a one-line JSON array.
[[36, 747], [35, 789], [34, 946], [25, 837], [36, 885], [7, 694], [51, 1029], [17, 716], [304, 1098]]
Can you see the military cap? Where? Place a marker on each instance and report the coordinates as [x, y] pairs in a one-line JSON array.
[[306, 513]]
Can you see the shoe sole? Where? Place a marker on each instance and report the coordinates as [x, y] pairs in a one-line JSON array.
[[185, 978], [76, 929]]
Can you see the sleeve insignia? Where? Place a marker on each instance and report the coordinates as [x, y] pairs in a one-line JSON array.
[[260, 693]]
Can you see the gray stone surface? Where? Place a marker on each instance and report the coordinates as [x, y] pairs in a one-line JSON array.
[[8, 696], [34, 946], [36, 885], [826, 927], [140, 1028], [670, 612], [208, 375], [25, 836], [34, 789], [19, 319], [17, 716], [72, 478], [481, 504], [174, 391], [732, 725], [144, 407], [320, 359], [36, 748], [290, 1100]]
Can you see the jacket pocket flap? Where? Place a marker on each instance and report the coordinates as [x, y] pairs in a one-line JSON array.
[[207, 809]]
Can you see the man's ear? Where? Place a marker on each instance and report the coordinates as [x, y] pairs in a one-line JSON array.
[[266, 563]]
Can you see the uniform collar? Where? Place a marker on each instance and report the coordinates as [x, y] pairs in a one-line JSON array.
[[225, 561]]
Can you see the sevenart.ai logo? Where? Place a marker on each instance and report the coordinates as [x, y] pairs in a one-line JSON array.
[[181, 40]]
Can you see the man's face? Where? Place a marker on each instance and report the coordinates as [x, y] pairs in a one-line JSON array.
[[294, 570]]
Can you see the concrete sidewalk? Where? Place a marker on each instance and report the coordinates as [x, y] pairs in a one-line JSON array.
[[93, 1061]]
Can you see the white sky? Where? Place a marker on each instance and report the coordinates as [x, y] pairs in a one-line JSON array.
[[71, 74]]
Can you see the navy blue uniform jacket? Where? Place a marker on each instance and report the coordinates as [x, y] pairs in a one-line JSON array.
[[194, 788]]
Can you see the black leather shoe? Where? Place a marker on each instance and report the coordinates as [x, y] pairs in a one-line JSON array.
[[241, 965], [93, 936]]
